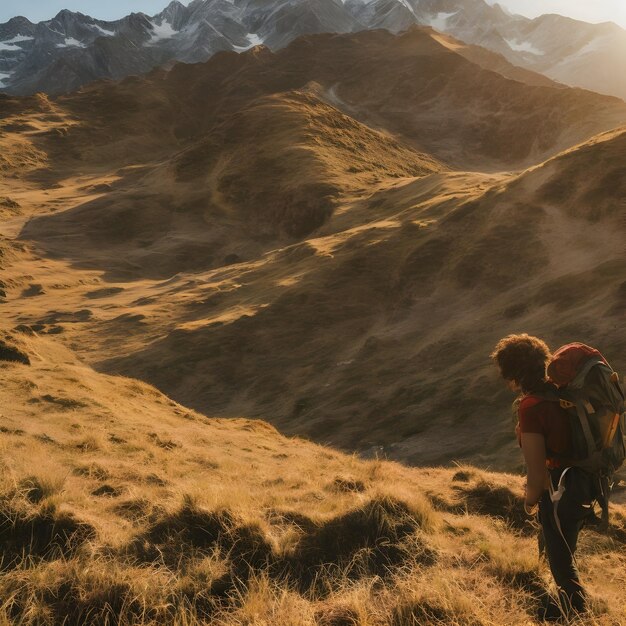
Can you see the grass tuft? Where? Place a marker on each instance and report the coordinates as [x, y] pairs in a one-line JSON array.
[[368, 540], [12, 354], [338, 615], [486, 498], [43, 533], [347, 485], [191, 531], [38, 488]]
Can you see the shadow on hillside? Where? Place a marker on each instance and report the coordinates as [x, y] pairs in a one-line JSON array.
[[479, 496], [38, 534], [367, 541]]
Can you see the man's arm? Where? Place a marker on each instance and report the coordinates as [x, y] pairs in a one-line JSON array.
[[534, 450]]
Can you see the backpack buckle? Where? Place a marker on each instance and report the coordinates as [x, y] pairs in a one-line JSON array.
[[566, 404]]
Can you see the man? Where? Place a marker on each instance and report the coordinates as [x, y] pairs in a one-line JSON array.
[[564, 494]]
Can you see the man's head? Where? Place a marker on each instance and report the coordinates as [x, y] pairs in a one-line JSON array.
[[522, 360]]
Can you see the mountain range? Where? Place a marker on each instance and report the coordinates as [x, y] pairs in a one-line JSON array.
[[330, 236], [72, 49]]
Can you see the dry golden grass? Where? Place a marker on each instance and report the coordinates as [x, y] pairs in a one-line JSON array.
[[119, 506]]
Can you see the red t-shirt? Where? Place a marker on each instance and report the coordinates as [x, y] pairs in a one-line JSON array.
[[547, 418]]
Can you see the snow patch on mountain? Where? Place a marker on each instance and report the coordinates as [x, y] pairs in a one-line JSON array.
[[70, 42], [523, 46], [4, 77], [254, 40], [17, 39], [103, 31], [162, 31], [439, 21], [11, 45]]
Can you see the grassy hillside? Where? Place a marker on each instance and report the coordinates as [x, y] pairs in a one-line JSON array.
[[119, 506], [377, 329], [270, 173]]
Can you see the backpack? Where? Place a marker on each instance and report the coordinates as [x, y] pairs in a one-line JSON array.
[[590, 392]]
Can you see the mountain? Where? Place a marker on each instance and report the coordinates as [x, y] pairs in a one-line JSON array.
[[331, 236], [72, 49], [567, 50], [239, 198]]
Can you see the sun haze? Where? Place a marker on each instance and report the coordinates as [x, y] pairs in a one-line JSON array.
[[602, 11]]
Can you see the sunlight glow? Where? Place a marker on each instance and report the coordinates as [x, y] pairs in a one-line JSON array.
[[597, 11]]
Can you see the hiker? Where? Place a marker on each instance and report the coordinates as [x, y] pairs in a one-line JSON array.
[[544, 434]]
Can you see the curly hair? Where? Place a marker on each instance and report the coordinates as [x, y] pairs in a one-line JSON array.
[[522, 358]]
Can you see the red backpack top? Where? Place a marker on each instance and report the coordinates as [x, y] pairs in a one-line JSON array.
[[567, 362]]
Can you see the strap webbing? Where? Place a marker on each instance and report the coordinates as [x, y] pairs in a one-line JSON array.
[[605, 490], [555, 497], [584, 422], [579, 381]]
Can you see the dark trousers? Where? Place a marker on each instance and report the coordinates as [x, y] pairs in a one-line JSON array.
[[561, 522]]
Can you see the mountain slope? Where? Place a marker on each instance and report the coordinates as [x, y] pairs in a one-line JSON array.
[[372, 365], [270, 173], [137, 510]]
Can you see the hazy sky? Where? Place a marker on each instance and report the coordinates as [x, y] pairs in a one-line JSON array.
[[38, 10], [587, 10]]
